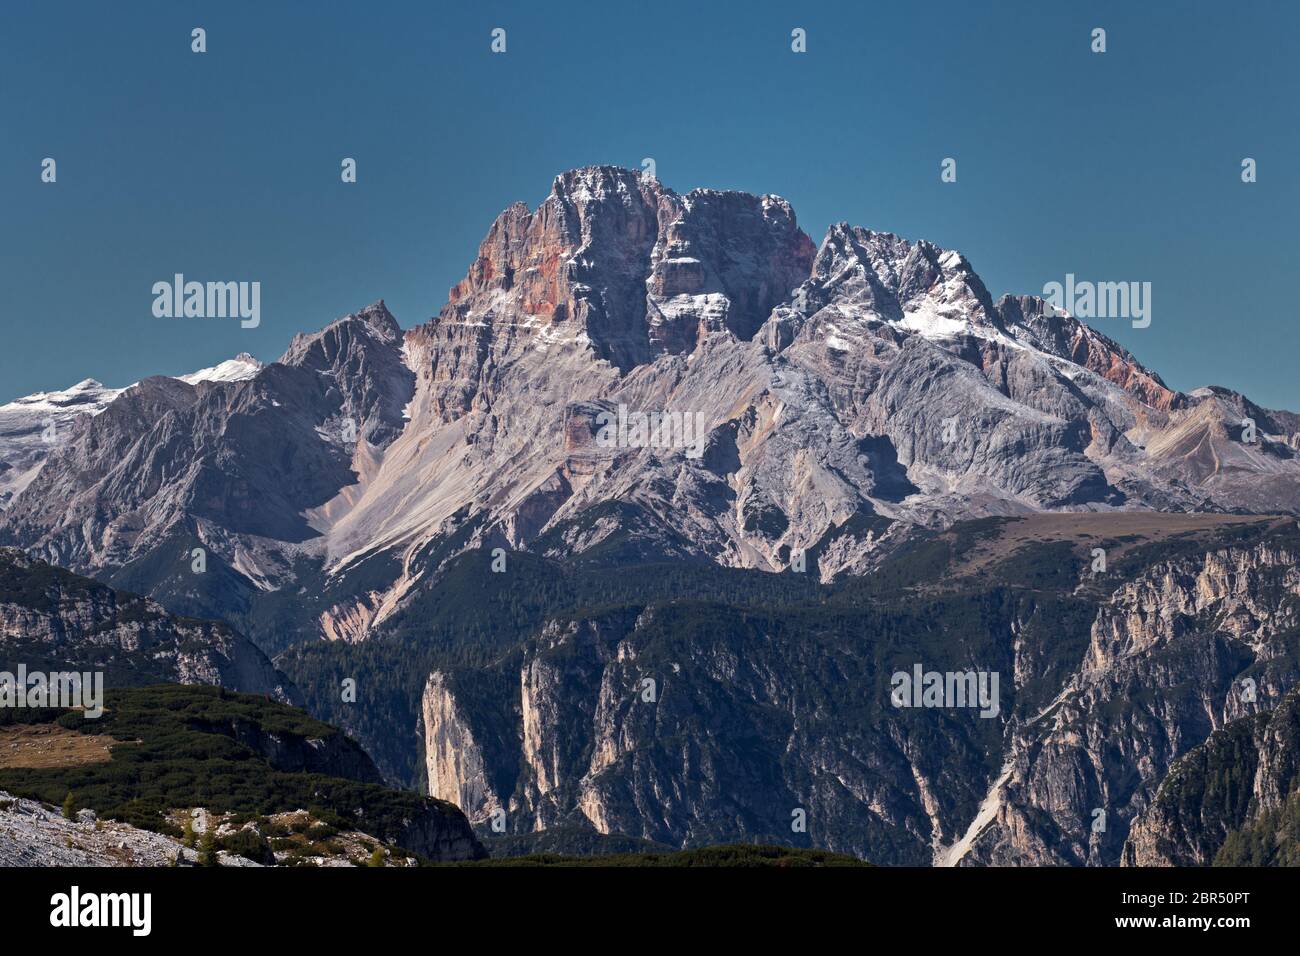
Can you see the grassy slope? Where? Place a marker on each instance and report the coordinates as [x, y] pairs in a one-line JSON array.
[[167, 753]]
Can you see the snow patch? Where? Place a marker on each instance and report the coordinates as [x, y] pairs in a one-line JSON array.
[[238, 369]]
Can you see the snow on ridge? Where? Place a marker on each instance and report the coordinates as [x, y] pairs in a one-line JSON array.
[[90, 396], [87, 395], [238, 369]]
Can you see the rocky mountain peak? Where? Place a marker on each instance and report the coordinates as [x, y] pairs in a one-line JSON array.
[[588, 184], [619, 264], [374, 322], [872, 377], [377, 317]]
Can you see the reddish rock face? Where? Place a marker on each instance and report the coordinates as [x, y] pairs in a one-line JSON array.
[[629, 266], [1117, 366], [578, 264], [1070, 339]]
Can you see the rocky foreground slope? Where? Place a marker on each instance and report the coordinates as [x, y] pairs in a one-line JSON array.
[[35, 834], [267, 778]]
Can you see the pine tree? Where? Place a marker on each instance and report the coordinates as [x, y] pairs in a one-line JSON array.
[[69, 807], [208, 848], [377, 858]]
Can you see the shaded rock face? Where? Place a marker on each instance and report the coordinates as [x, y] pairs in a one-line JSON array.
[[751, 720], [441, 834], [1164, 670], [709, 753], [873, 377], [1244, 772], [724, 745], [1071, 339], [53, 620], [584, 741], [334, 756], [724, 263], [361, 356]]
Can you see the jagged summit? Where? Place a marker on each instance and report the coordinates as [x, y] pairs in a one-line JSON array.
[[615, 262], [374, 320]]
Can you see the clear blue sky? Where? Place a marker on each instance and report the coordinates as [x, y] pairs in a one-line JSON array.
[[225, 166]]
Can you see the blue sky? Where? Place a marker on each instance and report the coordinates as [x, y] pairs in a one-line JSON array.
[[1123, 166]]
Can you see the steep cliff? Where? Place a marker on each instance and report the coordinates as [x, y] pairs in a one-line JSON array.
[[690, 723], [1170, 660], [52, 620], [1233, 800]]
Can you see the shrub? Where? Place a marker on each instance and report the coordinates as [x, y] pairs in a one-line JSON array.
[[208, 849], [249, 844]]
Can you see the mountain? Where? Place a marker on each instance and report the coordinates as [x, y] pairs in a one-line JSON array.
[[31, 425], [690, 705], [808, 389], [52, 620], [1169, 655], [667, 437], [1232, 801]]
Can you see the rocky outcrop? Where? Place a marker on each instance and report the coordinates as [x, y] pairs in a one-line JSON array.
[[685, 725], [456, 769], [1246, 773], [1175, 655], [51, 620], [334, 755], [439, 833], [33, 834]]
